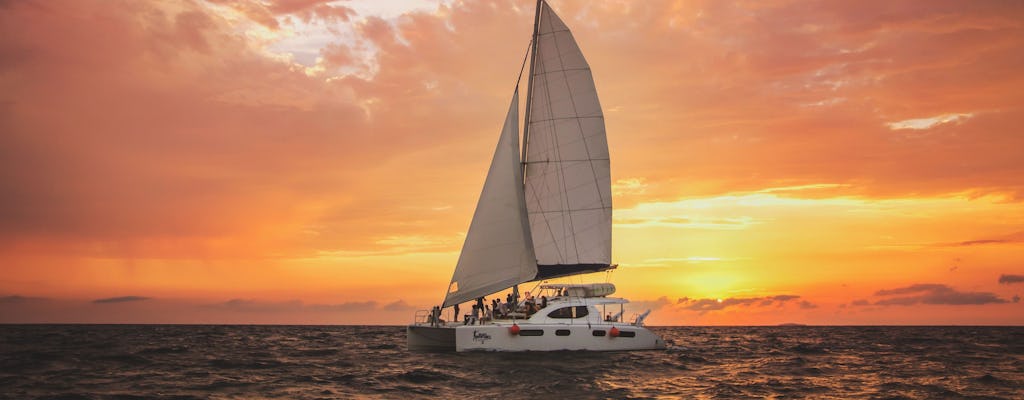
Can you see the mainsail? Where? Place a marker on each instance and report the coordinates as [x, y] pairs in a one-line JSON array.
[[497, 253], [568, 180], [556, 220]]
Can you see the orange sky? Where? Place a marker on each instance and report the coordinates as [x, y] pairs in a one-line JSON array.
[[305, 161]]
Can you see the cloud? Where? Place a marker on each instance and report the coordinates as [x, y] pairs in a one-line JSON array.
[[258, 306], [121, 299], [188, 117], [706, 305], [1017, 237], [181, 137], [398, 305], [935, 294], [925, 123], [17, 299], [656, 304], [254, 306], [804, 304], [629, 187], [1007, 279], [350, 306]]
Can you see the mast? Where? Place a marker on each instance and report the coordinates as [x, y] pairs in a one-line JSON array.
[[529, 86]]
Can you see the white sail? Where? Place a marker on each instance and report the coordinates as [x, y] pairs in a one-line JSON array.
[[497, 253], [568, 182]]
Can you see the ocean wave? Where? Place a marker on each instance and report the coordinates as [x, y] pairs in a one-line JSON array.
[[316, 362]]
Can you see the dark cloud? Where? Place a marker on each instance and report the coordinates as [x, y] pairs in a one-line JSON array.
[[121, 299], [918, 288], [346, 307], [931, 293], [655, 304], [860, 303], [1016, 298], [399, 305], [1006, 279], [705, 305], [16, 299], [245, 305], [1016, 237], [804, 304]]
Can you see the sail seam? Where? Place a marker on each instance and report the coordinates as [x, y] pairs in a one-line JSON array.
[[575, 209], [554, 32], [568, 118], [563, 70], [548, 161]]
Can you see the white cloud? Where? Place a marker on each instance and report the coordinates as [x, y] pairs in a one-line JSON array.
[[926, 123]]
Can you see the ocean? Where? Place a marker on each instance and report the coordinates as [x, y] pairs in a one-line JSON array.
[[328, 362]]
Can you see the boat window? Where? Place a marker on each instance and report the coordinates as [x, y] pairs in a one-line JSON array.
[[562, 332], [569, 312], [627, 334], [598, 333], [564, 312], [531, 332]]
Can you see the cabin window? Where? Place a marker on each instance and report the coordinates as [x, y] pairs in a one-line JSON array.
[[562, 332], [627, 334], [531, 332], [598, 333], [569, 312]]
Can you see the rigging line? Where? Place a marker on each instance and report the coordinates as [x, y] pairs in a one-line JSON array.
[[529, 46]]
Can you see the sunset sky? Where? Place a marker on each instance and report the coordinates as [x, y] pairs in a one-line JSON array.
[[318, 162]]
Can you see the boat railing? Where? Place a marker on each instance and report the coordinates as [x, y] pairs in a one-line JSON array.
[[638, 319], [422, 317]]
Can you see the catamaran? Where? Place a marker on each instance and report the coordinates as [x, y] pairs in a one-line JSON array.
[[543, 213]]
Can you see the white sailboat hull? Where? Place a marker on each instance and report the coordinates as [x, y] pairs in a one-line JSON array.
[[555, 337], [430, 338]]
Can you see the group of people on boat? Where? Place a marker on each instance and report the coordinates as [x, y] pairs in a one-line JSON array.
[[496, 309]]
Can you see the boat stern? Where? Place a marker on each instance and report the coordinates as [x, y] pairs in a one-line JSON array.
[[430, 338]]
